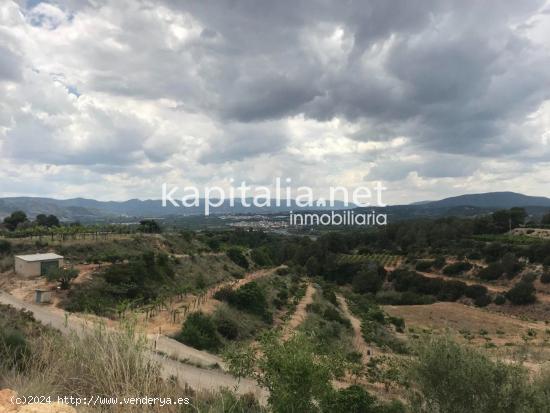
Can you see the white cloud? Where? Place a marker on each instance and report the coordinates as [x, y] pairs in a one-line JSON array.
[[110, 99]]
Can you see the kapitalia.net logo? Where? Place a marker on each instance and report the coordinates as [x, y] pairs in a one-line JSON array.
[[297, 201]]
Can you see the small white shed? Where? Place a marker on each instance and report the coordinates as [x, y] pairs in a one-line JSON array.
[[37, 264]]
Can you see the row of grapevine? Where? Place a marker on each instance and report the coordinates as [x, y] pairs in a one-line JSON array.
[[385, 259]]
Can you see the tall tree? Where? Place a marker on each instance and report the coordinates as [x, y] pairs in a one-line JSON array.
[[517, 216], [150, 226], [16, 218], [47, 220]]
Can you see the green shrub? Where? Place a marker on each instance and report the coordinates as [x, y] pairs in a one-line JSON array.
[[450, 378], [199, 331], [298, 380], [329, 295], [395, 406], [96, 297], [522, 293], [403, 298], [332, 314], [6, 263], [63, 276], [482, 301], [492, 272], [282, 271], [424, 265], [235, 325], [529, 277], [511, 265], [368, 281], [474, 255], [545, 277], [261, 257], [353, 399], [500, 299], [227, 327], [457, 268], [236, 255], [5, 247], [398, 322], [224, 294], [13, 347], [250, 297], [439, 262], [143, 279], [475, 291]]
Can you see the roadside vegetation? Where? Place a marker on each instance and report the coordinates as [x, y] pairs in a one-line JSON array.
[[98, 362]]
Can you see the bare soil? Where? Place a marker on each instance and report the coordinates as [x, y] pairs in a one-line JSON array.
[[300, 314], [358, 340], [459, 318]]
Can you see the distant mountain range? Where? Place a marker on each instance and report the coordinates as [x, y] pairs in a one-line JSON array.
[[92, 210], [471, 205], [490, 200]]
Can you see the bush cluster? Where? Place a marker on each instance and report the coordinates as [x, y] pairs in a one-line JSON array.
[[237, 256], [522, 293], [443, 290], [457, 268], [142, 280], [199, 331], [250, 297]]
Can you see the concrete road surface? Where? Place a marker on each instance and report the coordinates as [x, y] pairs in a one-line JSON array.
[[196, 377]]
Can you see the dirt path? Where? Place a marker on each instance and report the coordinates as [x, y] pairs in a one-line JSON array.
[[300, 314], [492, 288], [496, 289], [196, 377], [358, 341]]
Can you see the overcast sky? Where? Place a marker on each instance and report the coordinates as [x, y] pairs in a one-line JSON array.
[[108, 99]]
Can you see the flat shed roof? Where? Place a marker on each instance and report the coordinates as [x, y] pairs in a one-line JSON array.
[[40, 257]]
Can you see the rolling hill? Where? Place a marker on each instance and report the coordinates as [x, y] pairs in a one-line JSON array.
[[490, 200], [91, 210]]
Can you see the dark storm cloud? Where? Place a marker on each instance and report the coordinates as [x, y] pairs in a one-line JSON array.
[[241, 140], [267, 98], [266, 71], [453, 76]]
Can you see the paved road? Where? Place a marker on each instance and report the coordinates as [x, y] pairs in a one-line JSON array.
[[195, 377], [179, 351]]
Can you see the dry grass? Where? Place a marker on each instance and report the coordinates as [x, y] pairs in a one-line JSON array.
[[6, 263], [101, 363], [108, 364], [504, 336], [459, 317]]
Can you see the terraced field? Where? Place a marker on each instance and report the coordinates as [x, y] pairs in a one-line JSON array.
[[384, 259]]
